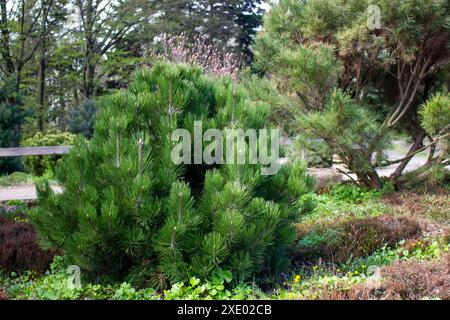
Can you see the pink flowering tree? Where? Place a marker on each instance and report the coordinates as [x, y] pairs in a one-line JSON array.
[[197, 51]]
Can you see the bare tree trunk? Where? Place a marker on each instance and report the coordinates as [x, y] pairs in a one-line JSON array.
[[418, 143], [76, 97], [443, 153], [369, 178], [5, 49], [374, 180], [89, 55], [41, 89], [431, 154], [90, 79]]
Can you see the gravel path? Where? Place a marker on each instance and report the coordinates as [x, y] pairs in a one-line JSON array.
[[23, 192]]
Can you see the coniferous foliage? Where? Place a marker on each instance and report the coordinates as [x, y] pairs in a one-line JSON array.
[[358, 72], [230, 24], [128, 210], [81, 119]]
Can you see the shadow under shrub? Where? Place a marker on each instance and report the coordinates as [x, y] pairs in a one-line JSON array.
[[19, 249], [354, 238]]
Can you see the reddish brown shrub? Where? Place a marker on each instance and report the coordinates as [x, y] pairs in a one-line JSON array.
[[358, 238], [4, 220], [414, 279], [19, 250], [357, 292], [433, 207], [363, 237], [446, 236], [403, 280], [3, 296]]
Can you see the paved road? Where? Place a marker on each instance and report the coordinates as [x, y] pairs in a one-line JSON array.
[[23, 192]]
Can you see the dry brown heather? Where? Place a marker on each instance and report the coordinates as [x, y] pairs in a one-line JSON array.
[[403, 280], [435, 207], [432, 211], [3, 296], [357, 238]]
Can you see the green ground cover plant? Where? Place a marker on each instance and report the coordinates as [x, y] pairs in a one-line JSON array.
[[54, 285], [314, 282], [384, 273]]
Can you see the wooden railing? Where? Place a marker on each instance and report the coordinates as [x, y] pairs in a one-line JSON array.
[[33, 151]]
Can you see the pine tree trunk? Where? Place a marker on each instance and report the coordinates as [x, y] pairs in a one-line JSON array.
[[418, 143], [444, 152], [375, 180], [5, 49], [370, 179]]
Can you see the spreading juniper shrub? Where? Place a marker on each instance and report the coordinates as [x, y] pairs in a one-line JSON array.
[[19, 249]]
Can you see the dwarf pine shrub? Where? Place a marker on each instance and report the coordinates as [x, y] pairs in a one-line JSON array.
[[127, 209]]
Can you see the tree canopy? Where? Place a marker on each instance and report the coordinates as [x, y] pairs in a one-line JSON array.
[[324, 54]]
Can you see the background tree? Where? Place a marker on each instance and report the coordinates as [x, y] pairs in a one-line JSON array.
[[64, 52], [104, 24], [50, 25], [226, 24], [26, 27], [435, 119], [11, 117], [311, 48]]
